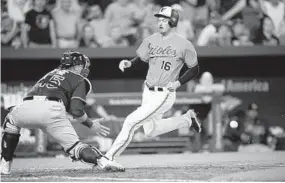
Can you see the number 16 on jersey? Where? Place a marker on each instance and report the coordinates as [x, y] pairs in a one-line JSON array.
[[165, 65]]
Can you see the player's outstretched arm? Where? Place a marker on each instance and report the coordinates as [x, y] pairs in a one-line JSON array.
[[97, 128], [78, 115], [128, 63], [76, 110]]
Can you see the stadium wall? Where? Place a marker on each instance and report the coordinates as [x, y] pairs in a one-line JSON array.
[[30, 64], [245, 71]]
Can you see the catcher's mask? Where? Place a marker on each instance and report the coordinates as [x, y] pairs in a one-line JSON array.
[[73, 58]]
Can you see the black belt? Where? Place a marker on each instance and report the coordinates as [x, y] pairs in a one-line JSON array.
[[47, 98], [154, 88], [157, 88]]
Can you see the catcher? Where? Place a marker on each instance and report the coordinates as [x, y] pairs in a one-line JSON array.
[[61, 91]]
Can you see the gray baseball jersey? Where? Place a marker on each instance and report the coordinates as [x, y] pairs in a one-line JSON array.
[[166, 57]]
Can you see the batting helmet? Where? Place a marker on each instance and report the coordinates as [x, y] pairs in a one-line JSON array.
[[72, 58], [170, 13]]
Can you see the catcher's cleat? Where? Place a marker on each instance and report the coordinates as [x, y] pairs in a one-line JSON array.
[[108, 165], [195, 123], [5, 167]]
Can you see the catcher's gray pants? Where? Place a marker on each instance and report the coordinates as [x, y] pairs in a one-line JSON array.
[[49, 116]]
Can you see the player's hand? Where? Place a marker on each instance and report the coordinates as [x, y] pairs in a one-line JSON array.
[[100, 130], [172, 86], [124, 64]]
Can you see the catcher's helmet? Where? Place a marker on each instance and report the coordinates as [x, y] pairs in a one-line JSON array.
[[72, 58], [170, 13]]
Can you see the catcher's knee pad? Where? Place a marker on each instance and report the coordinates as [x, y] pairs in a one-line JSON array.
[[85, 153], [9, 125]]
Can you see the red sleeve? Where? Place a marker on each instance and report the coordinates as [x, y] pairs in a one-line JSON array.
[[80, 92], [78, 100], [80, 87]]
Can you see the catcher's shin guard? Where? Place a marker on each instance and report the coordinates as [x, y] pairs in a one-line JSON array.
[[8, 145], [10, 138], [84, 153], [89, 155]]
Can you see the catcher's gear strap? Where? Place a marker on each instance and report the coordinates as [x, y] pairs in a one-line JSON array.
[[88, 85], [68, 151], [189, 74], [8, 145]]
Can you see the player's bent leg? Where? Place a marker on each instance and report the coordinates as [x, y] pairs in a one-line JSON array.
[[150, 127], [63, 132], [135, 120], [9, 144], [152, 105], [156, 105], [157, 126]]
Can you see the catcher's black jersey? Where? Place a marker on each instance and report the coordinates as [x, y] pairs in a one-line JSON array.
[[62, 84]]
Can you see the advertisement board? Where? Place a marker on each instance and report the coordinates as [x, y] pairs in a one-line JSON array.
[[268, 93]]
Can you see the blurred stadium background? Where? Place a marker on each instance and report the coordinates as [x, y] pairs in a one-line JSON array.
[[239, 94]]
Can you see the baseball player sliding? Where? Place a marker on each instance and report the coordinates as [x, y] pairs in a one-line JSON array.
[[165, 52], [62, 90]]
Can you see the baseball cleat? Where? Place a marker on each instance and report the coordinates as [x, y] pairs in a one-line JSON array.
[[195, 123], [5, 167], [108, 165]]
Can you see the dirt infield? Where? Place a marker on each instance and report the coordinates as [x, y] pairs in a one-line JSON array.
[[168, 167]]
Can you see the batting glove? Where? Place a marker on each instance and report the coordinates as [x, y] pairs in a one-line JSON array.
[[124, 64], [99, 129]]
